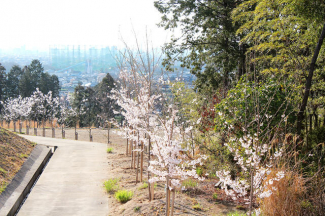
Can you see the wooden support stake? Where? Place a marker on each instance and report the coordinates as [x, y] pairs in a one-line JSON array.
[[127, 144], [173, 202], [167, 196], [141, 166], [134, 154], [108, 128], [137, 169], [152, 191]]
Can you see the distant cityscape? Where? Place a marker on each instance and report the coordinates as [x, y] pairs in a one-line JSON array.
[[73, 64]]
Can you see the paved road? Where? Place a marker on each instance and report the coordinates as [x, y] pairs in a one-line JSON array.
[[71, 184]]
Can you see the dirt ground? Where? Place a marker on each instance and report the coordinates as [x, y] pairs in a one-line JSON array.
[[198, 200]]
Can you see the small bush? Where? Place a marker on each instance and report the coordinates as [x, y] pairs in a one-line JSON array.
[[189, 183], [215, 196], [109, 150], [199, 171], [143, 186], [197, 207], [111, 185], [137, 208], [123, 196]]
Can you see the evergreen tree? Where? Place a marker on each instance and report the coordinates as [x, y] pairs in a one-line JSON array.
[[54, 85], [27, 83], [208, 46], [14, 76], [106, 104], [2, 85], [36, 69], [45, 83]]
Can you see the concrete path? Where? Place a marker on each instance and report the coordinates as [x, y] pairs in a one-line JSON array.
[[72, 182]]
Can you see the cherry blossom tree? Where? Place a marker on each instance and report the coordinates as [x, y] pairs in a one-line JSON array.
[[170, 162]]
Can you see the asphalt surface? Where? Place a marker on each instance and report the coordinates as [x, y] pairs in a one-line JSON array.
[[72, 182]]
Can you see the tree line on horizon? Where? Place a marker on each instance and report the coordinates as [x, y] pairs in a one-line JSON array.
[[91, 104], [25, 80]]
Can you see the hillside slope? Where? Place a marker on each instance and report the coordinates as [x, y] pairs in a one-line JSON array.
[[14, 150]]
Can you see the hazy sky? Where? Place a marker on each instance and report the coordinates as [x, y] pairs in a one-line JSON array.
[[42, 23]]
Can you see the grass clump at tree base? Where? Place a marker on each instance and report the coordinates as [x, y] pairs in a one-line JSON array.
[[109, 150], [123, 196], [111, 185]]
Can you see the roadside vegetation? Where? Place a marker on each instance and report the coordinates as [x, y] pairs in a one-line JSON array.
[[14, 151]]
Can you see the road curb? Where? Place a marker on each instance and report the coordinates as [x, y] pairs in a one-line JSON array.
[[19, 187]]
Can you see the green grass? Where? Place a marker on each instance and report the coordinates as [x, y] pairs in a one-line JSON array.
[[240, 214], [3, 186], [109, 150], [215, 196], [143, 186], [123, 196], [137, 208], [3, 171], [111, 185], [197, 207], [199, 171], [189, 183], [23, 156]]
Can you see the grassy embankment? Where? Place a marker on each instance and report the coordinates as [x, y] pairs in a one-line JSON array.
[[14, 151]]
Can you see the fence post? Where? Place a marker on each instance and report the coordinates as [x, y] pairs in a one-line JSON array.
[[76, 136], [53, 132], [20, 127], [108, 128], [27, 129]]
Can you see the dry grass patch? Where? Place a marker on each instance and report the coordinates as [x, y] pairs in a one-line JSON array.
[[14, 151]]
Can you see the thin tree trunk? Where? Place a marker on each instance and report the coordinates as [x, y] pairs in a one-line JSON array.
[[310, 122], [300, 116], [251, 193]]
